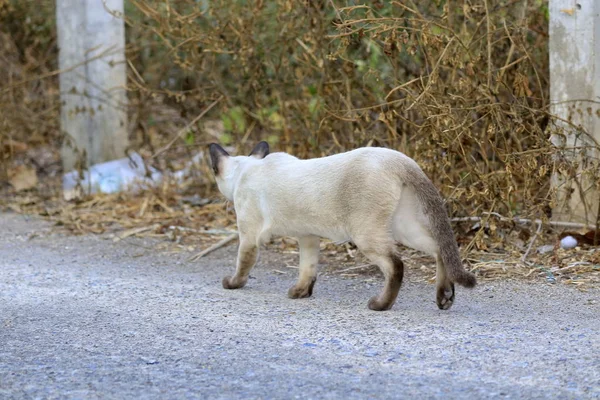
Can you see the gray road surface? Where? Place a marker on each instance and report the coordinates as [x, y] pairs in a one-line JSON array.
[[86, 318]]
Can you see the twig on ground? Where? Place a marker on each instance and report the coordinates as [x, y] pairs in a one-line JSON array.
[[561, 224], [202, 232], [574, 265], [539, 229], [214, 247], [363, 266], [134, 231]]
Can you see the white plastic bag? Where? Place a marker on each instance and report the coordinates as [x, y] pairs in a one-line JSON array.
[[110, 177]]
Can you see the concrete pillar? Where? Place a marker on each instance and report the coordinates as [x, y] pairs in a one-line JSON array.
[[574, 95], [93, 99]]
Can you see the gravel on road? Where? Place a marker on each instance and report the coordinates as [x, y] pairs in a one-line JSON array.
[[83, 317]]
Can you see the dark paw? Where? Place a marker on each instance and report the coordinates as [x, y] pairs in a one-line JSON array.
[[377, 305], [301, 291], [445, 297], [233, 282]]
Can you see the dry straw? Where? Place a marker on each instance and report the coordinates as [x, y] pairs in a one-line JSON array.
[[460, 87]]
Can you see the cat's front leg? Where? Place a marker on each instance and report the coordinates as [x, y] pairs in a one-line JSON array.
[[247, 255], [309, 258]]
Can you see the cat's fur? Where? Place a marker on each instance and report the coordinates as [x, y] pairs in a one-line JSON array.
[[374, 197]]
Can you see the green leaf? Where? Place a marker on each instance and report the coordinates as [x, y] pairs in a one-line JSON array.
[[276, 120], [234, 120], [227, 123], [189, 138], [314, 105], [239, 119], [226, 139]]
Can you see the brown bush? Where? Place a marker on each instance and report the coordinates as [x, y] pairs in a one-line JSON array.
[[29, 106], [463, 90], [460, 87]]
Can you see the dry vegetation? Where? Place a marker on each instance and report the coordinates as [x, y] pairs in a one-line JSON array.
[[462, 87]]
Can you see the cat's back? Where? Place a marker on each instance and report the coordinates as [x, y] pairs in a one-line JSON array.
[[362, 161], [372, 154]]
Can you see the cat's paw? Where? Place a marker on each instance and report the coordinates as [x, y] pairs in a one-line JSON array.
[[377, 305], [300, 291], [445, 297], [230, 282]]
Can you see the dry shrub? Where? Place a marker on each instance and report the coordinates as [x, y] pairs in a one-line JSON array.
[[29, 96], [462, 88]]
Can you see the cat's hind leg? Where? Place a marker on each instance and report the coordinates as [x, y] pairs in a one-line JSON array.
[[393, 269], [309, 258], [444, 287], [383, 252]]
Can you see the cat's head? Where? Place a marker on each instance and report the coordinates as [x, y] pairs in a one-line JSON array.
[[225, 166]]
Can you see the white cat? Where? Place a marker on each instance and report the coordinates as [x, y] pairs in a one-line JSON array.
[[374, 197]]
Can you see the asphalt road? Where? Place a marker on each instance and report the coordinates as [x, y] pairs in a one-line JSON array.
[[85, 318]]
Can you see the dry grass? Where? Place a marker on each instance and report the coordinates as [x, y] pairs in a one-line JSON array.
[[463, 90], [180, 226]]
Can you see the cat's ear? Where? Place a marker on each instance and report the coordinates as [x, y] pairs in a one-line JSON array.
[[261, 150], [216, 155]]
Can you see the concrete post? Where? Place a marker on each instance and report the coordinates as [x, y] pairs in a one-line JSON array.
[[93, 99], [574, 95]]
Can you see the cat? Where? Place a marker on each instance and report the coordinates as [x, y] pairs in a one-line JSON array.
[[373, 197]]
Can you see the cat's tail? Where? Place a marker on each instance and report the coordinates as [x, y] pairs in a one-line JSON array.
[[433, 207]]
